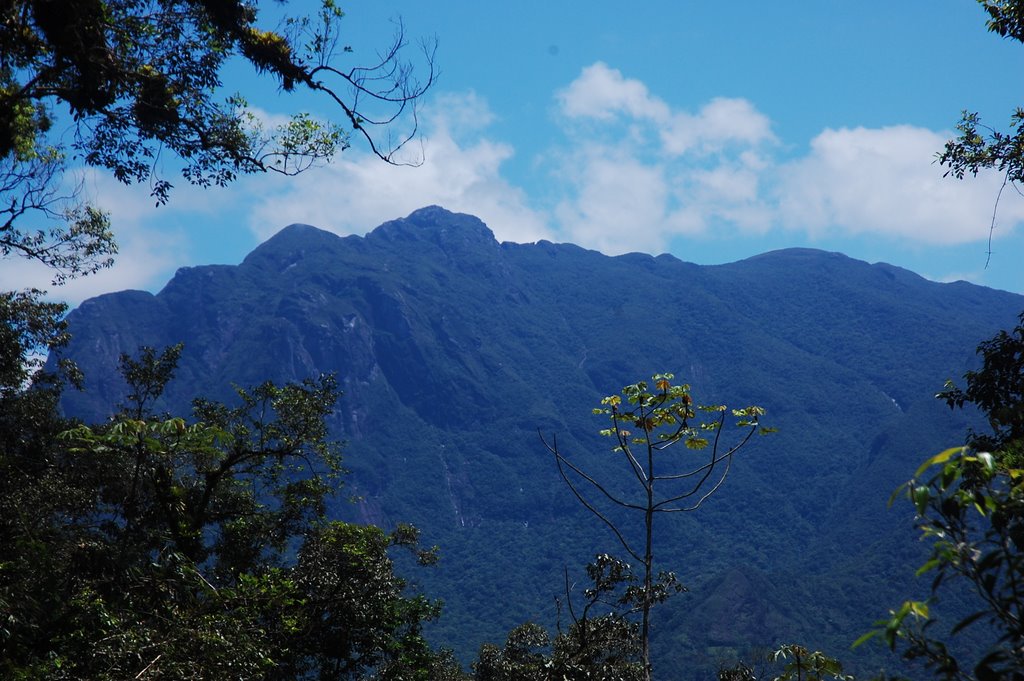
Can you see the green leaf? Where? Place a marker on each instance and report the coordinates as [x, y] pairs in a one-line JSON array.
[[863, 638], [919, 609], [941, 457], [969, 620], [921, 496]]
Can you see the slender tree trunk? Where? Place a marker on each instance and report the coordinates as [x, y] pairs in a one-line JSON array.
[[645, 631]]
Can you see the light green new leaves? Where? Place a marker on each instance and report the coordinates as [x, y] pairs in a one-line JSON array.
[[665, 415]]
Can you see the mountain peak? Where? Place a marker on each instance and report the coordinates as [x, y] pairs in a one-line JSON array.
[[438, 225], [292, 243]]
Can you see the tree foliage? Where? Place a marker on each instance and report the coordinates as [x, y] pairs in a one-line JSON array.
[[970, 509], [789, 662], [997, 390], [159, 547], [139, 81], [600, 643], [970, 500], [644, 423], [978, 146]]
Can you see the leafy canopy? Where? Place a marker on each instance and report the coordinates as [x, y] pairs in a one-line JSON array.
[[162, 547], [980, 147], [138, 84], [970, 509]]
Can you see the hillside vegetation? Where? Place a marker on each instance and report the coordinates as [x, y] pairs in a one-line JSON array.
[[453, 351]]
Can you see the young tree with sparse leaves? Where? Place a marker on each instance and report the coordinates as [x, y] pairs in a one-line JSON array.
[[644, 423], [601, 643]]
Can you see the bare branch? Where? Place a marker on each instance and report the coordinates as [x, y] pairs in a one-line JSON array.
[[638, 470], [995, 211], [389, 82], [687, 509], [559, 460], [77, 240]]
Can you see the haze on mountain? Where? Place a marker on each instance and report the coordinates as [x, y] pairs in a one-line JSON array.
[[454, 351]]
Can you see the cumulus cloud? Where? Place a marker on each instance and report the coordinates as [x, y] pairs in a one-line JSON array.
[[618, 204], [886, 181], [639, 172], [602, 93], [148, 249], [720, 122], [358, 192], [632, 156], [631, 173]]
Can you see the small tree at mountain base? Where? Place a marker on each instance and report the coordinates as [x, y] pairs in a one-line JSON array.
[[601, 643], [644, 423]]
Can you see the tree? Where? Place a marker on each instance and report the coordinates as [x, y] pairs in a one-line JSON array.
[[970, 508], [29, 424], [662, 417], [980, 147], [156, 547], [970, 500], [600, 643], [138, 81], [997, 389], [798, 664]]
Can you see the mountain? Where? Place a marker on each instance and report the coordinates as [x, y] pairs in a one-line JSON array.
[[455, 350]]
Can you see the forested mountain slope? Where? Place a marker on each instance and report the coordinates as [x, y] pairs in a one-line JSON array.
[[454, 350]]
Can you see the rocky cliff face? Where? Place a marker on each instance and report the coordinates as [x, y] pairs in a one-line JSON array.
[[453, 350]]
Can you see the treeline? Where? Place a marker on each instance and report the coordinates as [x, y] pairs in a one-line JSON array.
[[164, 546]]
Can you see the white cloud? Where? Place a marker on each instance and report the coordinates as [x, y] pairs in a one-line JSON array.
[[618, 203], [358, 192], [602, 93], [148, 250], [731, 193], [720, 122], [638, 172], [632, 173], [886, 181], [632, 157]]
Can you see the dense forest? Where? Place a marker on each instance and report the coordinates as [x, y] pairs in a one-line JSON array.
[[421, 316], [425, 454]]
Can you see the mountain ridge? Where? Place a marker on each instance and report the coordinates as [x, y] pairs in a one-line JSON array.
[[454, 350]]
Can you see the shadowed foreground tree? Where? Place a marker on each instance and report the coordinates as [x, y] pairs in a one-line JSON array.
[[970, 508], [134, 87], [645, 423], [155, 547], [601, 643]]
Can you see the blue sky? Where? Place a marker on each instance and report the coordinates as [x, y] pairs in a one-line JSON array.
[[712, 131]]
